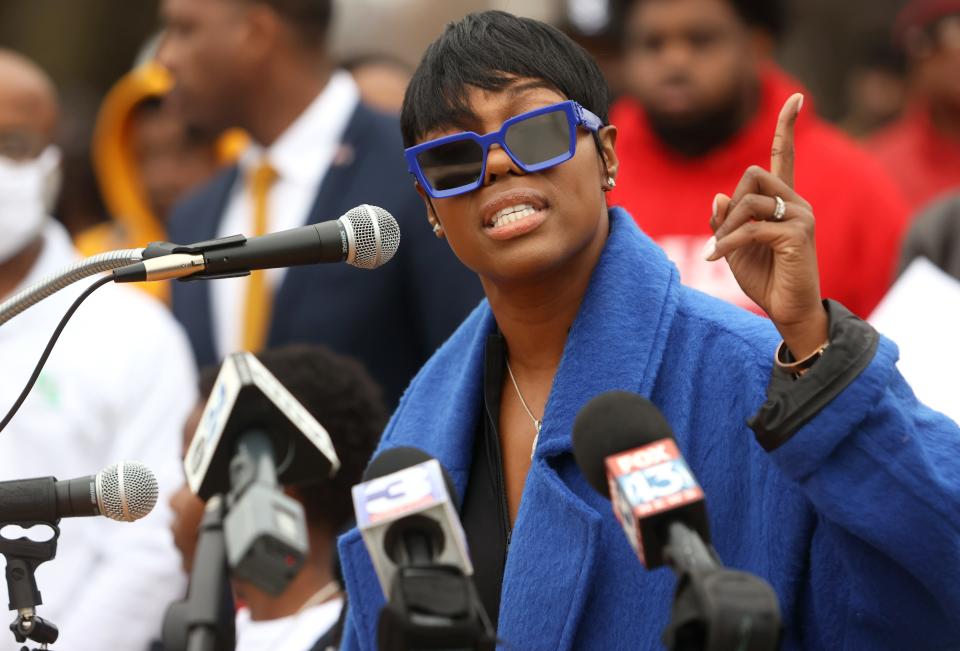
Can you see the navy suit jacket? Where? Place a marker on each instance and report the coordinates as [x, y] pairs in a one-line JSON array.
[[391, 319]]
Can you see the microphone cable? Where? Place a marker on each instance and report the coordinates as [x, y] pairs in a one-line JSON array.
[[50, 344]]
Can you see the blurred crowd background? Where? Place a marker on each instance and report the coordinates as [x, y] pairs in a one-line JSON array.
[[842, 52], [882, 71]]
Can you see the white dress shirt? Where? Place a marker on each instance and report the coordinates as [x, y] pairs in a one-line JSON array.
[[117, 386], [298, 632], [301, 156]]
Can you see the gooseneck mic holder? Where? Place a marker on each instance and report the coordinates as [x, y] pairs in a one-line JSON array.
[[23, 557], [716, 608]]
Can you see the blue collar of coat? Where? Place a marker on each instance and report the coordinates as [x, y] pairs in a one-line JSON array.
[[617, 342]]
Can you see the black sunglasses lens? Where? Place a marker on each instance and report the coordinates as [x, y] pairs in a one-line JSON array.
[[452, 165], [540, 138]]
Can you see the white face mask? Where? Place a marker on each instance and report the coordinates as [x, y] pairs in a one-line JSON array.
[[28, 190]]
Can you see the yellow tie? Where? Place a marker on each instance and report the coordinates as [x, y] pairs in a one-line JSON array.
[[256, 311]]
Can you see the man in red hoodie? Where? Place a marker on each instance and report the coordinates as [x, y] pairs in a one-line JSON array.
[[702, 98]]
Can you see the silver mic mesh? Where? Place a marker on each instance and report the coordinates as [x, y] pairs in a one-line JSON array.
[[126, 491], [375, 236]]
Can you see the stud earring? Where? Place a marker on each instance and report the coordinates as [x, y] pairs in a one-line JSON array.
[[437, 229], [611, 182]]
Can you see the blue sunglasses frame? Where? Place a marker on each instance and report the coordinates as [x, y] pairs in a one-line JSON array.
[[577, 116]]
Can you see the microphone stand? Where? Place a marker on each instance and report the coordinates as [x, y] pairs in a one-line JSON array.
[[23, 557], [715, 608], [204, 621]]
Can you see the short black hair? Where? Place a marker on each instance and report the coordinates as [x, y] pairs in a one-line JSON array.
[[340, 394], [310, 18], [768, 15], [489, 50]]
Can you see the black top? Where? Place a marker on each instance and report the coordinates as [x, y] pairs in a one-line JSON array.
[[485, 515]]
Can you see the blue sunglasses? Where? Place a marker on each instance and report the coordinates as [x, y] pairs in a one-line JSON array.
[[535, 141]]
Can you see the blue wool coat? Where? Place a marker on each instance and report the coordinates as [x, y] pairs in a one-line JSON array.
[[855, 520]]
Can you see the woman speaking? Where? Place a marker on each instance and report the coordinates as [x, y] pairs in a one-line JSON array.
[[843, 492]]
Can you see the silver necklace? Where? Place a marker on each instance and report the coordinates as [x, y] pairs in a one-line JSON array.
[[537, 423]]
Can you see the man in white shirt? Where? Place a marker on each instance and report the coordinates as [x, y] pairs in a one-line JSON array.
[[317, 151], [116, 387]]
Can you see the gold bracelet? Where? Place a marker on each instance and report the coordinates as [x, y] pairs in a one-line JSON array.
[[797, 368]]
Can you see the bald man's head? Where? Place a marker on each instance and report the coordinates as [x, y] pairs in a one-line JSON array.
[[28, 107]]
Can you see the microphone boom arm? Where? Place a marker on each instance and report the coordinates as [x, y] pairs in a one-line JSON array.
[[50, 285]]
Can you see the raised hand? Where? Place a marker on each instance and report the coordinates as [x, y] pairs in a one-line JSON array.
[[766, 233]]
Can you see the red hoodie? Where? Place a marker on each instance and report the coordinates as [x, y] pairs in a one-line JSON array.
[[860, 212]]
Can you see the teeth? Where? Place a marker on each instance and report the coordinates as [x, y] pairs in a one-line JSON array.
[[511, 214]]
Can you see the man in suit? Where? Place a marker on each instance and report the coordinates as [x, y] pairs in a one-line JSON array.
[[317, 151]]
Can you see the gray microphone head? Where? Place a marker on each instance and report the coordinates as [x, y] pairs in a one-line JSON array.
[[373, 236], [126, 491]]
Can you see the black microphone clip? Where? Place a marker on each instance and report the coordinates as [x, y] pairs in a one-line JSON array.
[[23, 557], [172, 260], [434, 607], [721, 609], [160, 249]]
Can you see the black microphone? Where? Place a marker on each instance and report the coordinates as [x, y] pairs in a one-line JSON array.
[[405, 509], [406, 513], [125, 491], [627, 451], [365, 237]]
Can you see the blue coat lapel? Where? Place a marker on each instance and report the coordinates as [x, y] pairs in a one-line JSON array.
[[616, 342], [618, 338], [439, 414]]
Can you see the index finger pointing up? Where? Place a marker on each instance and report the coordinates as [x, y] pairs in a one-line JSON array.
[[782, 152]]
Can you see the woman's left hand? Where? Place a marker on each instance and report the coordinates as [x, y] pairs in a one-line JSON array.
[[771, 251]]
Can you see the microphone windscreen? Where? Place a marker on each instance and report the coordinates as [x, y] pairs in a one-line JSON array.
[[612, 423], [396, 459], [126, 491], [376, 236]]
